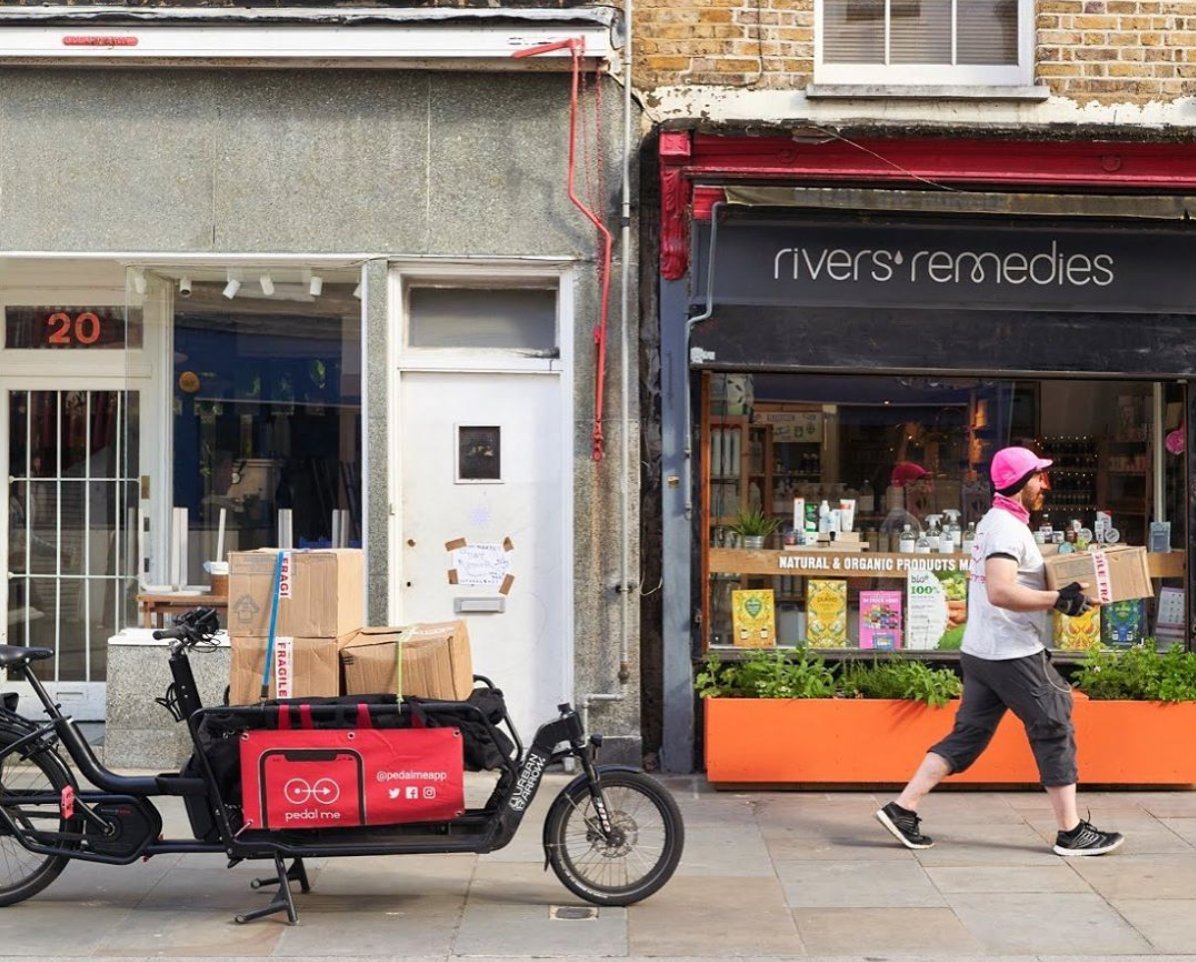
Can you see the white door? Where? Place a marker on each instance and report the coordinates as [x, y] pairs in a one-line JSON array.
[[483, 463]]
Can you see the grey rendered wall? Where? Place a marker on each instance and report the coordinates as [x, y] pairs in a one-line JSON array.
[[326, 161]]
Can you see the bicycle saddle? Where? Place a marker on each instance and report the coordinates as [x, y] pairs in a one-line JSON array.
[[12, 656]]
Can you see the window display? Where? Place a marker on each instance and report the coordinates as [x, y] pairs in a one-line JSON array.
[[854, 498]]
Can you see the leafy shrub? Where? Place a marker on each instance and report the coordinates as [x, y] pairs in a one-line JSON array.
[[1140, 673], [899, 678], [774, 674]]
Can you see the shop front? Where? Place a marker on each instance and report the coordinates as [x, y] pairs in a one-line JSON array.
[[851, 368], [314, 278]]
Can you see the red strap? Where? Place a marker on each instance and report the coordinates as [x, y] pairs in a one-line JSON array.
[[305, 716], [284, 718], [363, 716]]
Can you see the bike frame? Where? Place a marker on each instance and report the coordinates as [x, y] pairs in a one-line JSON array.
[[479, 830]]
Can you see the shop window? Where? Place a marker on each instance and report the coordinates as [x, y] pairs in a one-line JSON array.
[[267, 415], [924, 42], [494, 318], [850, 501]]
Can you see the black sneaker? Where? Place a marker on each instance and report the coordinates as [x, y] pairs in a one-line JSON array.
[[1086, 839], [904, 825]]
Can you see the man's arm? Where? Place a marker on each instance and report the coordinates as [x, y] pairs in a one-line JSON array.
[[1004, 591]]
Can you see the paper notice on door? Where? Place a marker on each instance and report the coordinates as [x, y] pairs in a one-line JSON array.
[[480, 565]]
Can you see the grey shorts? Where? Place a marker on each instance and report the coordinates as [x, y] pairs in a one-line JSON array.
[[1035, 692]]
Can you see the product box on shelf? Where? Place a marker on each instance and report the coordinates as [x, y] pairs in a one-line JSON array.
[[436, 660], [936, 609], [1123, 623], [1081, 633], [301, 668], [1115, 573], [321, 592], [826, 612], [880, 620], [753, 618]]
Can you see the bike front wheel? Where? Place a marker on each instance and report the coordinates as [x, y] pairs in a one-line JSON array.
[[636, 859], [30, 789]]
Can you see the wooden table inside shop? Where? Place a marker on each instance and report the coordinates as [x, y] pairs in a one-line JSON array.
[[155, 607]]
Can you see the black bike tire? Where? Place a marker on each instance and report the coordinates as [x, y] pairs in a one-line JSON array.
[[574, 798], [51, 866]]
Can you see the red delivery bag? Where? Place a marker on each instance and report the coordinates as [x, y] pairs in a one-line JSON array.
[[326, 778]]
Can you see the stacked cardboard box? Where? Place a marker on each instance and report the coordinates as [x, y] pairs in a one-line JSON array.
[[434, 657], [321, 604]]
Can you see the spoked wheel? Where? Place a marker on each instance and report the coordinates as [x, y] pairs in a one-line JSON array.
[[635, 860], [24, 873]]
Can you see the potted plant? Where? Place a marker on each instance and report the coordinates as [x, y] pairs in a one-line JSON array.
[[787, 717], [753, 527]]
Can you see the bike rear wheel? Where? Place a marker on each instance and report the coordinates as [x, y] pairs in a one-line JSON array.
[[24, 873], [631, 864]]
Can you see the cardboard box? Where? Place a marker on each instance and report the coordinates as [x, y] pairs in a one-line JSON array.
[[753, 618], [1116, 573], [322, 595], [303, 667], [437, 662]]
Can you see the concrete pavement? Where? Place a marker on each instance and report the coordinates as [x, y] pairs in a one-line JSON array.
[[765, 875]]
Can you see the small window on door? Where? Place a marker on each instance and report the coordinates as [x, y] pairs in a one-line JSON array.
[[479, 453], [496, 318]]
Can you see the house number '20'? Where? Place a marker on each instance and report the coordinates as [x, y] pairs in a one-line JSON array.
[[81, 329]]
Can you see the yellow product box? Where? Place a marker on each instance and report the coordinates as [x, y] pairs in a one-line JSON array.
[[826, 613], [753, 618], [1081, 633]]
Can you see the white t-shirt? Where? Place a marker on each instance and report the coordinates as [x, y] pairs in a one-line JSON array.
[[993, 633]]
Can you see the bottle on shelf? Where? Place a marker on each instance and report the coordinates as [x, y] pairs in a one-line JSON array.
[[867, 499], [969, 538], [907, 542], [922, 544]]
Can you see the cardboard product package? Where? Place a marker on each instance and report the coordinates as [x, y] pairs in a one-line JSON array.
[[322, 593], [1081, 633], [437, 662], [826, 612], [1123, 623], [753, 618], [1117, 573], [303, 667]]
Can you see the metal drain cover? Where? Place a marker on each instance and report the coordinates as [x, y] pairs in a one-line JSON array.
[[573, 913]]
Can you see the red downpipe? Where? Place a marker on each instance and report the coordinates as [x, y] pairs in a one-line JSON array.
[[576, 46]]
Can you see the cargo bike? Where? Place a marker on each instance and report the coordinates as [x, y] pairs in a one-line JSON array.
[[613, 835]]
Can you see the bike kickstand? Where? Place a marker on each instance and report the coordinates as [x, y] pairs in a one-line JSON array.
[[296, 873], [282, 901]]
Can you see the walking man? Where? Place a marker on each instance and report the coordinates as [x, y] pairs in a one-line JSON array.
[[1005, 665]]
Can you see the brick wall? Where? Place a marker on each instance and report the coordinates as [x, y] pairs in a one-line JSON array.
[[1111, 51]]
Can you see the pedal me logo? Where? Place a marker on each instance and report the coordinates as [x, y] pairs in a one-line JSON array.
[[1051, 267], [323, 791]]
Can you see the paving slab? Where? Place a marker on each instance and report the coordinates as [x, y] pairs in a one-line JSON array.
[[918, 931], [961, 880], [857, 884], [1046, 922], [1130, 876]]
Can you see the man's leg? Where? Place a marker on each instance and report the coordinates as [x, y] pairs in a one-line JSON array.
[[934, 769], [1063, 803]]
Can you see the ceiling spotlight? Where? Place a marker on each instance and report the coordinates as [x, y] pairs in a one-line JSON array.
[[267, 283], [357, 291], [185, 286], [137, 275], [231, 288], [316, 285]]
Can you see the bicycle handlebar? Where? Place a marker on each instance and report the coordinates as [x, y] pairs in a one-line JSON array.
[[191, 628], [179, 631]]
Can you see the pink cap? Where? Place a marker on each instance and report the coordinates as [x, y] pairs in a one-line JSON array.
[[905, 471], [1011, 465]]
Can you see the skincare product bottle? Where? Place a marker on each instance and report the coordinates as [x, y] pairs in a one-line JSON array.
[[824, 517], [969, 539], [922, 545], [907, 542], [934, 533]]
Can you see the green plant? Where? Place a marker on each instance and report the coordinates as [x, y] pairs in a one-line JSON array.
[[775, 674], [755, 524], [899, 678], [1140, 673], [766, 674]]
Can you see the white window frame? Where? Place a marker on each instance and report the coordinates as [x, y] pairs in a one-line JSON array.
[[921, 75]]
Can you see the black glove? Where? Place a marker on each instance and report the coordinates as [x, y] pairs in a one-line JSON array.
[[1071, 600]]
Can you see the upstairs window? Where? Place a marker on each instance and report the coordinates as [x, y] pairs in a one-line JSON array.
[[924, 42]]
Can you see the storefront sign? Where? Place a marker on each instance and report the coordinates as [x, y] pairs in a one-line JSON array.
[[1028, 266], [864, 563]]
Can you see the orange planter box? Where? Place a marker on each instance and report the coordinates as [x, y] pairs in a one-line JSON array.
[[844, 741]]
